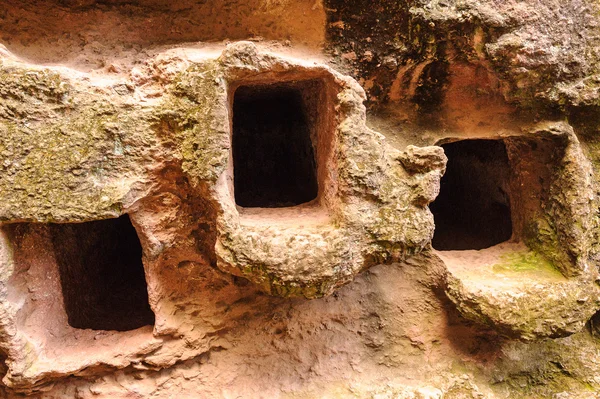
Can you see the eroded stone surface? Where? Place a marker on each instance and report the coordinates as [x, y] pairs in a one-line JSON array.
[[129, 128], [98, 153], [518, 292]]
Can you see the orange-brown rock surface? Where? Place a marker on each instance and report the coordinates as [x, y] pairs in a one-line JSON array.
[[299, 199]]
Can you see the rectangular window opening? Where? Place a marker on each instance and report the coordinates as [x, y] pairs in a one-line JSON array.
[[473, 209], [274, 158], [102, 275]]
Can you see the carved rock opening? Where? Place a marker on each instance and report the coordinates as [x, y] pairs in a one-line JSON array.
[[273, 153], [473, 210], [101, 274]]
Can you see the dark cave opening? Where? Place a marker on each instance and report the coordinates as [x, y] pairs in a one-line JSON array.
[[102, 275], [472, 210], [273, 155]]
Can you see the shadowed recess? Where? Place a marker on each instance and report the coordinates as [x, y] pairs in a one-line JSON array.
[[472, 210], [102, 276], [273, 156]]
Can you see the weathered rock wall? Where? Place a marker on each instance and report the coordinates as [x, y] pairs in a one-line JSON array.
[[128, 267]]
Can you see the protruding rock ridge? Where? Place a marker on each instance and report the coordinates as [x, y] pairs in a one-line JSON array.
[[78, 149], [224, 197], [499, 74], [367, 210], [552, 201]]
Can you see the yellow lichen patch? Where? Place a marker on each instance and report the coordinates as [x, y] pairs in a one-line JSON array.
[[526, 263], [192, 107]]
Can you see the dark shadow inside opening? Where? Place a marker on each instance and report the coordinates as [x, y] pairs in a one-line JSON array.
[[273, 156], [472, 210], [101, 274]]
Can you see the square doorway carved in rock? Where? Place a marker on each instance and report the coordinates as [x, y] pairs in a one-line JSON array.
[[101, 274], [473, 209], [273, 151]]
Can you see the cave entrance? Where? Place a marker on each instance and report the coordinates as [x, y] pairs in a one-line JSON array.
[[472, 210], [273, 154], [101, 274]]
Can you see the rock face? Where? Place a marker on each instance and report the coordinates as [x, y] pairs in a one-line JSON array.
[[235, 199]]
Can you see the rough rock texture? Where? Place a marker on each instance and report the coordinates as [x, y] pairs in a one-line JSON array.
[[518, 293], [93, 153], [117, 124], [544, 50]]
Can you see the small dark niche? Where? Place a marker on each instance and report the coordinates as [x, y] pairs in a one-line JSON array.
[[102, 275], [273, 155], [472, 210]]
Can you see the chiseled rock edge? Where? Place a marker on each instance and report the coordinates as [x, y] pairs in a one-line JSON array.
[[73, 151], [547, 309], [527, 312], [75, 148], [377, 214]]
